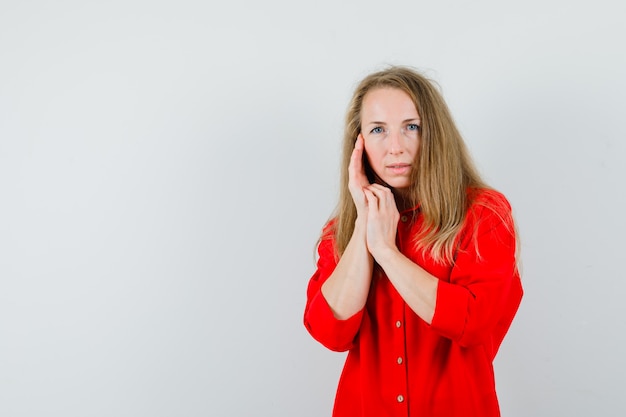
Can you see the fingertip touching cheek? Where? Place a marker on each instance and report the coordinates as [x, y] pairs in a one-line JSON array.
[[390, 125]]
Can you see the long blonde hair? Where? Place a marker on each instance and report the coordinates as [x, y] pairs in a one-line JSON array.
[[443, 173]]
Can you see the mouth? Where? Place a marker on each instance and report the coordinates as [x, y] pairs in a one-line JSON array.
[[399, 168]]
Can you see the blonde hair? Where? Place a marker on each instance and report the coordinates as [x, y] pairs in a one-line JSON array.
[[443, 173]]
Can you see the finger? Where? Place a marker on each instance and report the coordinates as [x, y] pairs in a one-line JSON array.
[[382, 193], [386, 199], [372, 200], [358, 144], [378, 188], [356, 173], [356, 159]]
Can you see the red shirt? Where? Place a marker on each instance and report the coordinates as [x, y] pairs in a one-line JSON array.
[[397, 364]]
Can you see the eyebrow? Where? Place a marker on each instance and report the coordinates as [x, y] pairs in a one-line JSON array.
[[374, 122]]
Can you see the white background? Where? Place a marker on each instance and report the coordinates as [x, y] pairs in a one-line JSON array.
[[166, 167]]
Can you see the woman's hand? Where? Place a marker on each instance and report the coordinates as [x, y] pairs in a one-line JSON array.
[[347, 288], [357, 180], [382, 219]]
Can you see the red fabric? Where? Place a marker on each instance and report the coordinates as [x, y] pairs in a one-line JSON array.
[[397, 364]]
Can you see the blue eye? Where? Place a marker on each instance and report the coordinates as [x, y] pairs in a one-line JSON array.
[[413, 126], [377, 130]]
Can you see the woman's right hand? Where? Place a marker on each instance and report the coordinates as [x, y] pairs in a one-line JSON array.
[[357, 180], [347, 288]]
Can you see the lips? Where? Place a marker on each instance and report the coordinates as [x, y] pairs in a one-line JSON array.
[[399, 168]]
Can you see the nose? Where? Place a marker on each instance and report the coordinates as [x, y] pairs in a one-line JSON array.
[[395, 142]]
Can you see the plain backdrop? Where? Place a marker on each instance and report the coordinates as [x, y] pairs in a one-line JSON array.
[[166, 168]]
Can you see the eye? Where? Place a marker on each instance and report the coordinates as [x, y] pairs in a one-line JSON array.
[[413, 127], [377, 129]]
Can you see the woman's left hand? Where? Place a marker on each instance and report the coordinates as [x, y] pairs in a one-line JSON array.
[[382, 219]]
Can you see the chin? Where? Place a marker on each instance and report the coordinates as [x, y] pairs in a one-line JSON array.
[[398, 184]]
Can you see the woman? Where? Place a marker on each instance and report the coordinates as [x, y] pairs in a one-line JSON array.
[[416, 276]]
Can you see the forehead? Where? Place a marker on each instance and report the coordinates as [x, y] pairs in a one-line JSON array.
[[387, 103]]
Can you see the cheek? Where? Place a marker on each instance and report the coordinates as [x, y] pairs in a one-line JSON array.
[[416, 149], [371, 162], [371, 153]]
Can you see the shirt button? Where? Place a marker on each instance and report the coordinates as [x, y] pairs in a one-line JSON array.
[[400, 398], [403, 219], [398, 324], [400, 360]]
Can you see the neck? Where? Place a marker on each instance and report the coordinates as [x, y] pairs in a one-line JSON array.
[[402, 195], [403, 199]]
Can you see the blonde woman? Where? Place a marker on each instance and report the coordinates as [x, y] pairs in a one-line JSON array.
[[416, 276]]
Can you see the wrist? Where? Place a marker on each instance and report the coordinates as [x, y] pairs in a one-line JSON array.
[[360, 226], [360, 221], [385, 254]]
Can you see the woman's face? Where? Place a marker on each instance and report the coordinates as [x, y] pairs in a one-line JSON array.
[[390, 126]]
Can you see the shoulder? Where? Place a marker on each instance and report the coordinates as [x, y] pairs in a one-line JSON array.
[[326, 245], [489, 229], [329, 230], [489, 208], [488, 198]]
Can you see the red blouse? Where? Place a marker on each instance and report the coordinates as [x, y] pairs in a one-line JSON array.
[[397, 364]]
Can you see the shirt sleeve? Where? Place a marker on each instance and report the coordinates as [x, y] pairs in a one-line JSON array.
[[479, 302], [335, 334]]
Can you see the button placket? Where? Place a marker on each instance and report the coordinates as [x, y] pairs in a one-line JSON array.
[[400, 358], [400, 363]]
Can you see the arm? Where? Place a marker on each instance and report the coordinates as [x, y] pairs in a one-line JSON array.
[[334, 320], [338, 291], [417, 287], [478, 304], [347, 287]]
